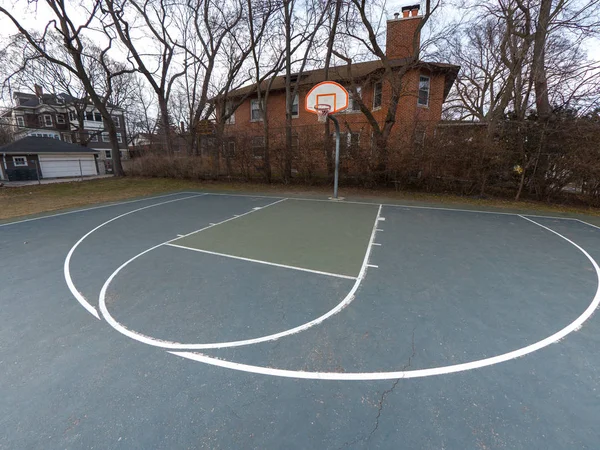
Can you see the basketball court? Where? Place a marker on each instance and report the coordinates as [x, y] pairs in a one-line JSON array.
[[202, 320]]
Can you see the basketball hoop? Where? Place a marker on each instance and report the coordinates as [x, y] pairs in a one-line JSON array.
[[322, 112]]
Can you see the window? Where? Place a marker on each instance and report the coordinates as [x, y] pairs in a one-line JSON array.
[[55, 136], [255, 112], [108, 154], [377, 90], [93, 137], [258, 147], [20, 122], [295, 109], [89, 115], [123, 154], [354, 104], [117, 121], [229, 147], [97, 117], [41, 121], [72, 115], [20, 161], [67, 138], [60, 118], [229, 111], [47, 120], [119, 138], [105, 137], [423, 99]]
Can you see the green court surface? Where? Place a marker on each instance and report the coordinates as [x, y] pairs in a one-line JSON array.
[[319, 236]]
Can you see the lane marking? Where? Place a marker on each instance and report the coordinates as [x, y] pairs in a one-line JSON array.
[[180, 235], [395, 205], [375, 243], [378, 229], [258, 261], [271, 337], [419, 373], [587, 223], [373, 265], [67, 264], [382, 219], [96, 207]]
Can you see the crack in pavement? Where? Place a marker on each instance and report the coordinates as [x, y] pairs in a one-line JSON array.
[[384, 394], [390, 390]]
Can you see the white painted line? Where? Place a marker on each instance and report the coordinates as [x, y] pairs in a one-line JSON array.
[[180, 235], [66, 267], [235, 216], [258, 207], [382, 219], [373, 265], [379, 229], [396, 205], [95, 207], [176, 345], [587, 223], [375, 243], [363, 376], [258, 261]]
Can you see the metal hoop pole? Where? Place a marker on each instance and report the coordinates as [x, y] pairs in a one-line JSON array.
[[337, 155]]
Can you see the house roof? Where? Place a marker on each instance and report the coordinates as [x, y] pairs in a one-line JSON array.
[[358, 71], [32, 100], [37, 145]]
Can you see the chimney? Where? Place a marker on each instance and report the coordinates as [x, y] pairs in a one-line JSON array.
[[400, 33]]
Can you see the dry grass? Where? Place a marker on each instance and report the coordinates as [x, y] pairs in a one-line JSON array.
[[29, 200]]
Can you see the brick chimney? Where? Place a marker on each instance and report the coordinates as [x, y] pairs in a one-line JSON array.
[[400, 32]]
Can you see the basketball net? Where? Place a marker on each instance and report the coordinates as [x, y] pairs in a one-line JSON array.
[[322, 112]]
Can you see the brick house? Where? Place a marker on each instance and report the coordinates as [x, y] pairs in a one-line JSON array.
[[55, 116], [425, 88]]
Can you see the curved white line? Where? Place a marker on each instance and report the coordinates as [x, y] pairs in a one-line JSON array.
[[364, 376], [67, 265], [271, 337]]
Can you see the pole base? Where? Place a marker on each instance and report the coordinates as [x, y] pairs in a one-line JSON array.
[[339, 199]]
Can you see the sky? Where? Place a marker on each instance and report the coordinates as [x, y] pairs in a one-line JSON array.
[[37, 16]]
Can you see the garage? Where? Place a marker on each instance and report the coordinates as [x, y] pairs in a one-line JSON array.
[[58, 166], [33, 158]]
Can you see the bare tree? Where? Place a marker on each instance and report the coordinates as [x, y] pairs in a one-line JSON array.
[[62, 30]]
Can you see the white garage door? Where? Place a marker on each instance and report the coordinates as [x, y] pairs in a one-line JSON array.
[[56, 166]]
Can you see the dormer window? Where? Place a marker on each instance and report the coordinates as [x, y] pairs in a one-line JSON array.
[[47, 120], [20, 122]]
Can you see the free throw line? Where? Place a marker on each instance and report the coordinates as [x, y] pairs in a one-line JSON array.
[[285, 266]]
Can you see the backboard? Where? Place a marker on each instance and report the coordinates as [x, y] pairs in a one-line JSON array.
[[327, 93]]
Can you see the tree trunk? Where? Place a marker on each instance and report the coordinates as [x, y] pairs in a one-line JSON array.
[[165, 122], [538, 69]]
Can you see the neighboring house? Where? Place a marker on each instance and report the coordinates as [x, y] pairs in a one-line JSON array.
[[425, 88], [55, 117], [32, 158]]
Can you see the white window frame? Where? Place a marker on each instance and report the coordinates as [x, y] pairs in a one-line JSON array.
[[41, 121], [422, 78], [296, 103], [231, 119], [119, 138], [252, 103], [351, 101], [93, 137], [108, 154], [60, 118], [46, 124], [20, 123], [97, 117], [89, 116], [117, 121], [376, 85], [105, 137], [67, 138], [24, 158], [72, 115]]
